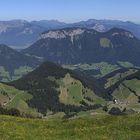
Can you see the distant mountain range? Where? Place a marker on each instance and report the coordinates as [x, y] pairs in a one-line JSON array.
[[82, 45], [105, 25], [20, 34]]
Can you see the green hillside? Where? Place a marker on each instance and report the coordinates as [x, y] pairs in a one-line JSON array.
[[127, 94], [73, 92], [11, 97], [51, 89], [123, 86], [55, 89]]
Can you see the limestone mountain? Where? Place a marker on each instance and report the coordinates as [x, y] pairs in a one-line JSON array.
[[81, 45]]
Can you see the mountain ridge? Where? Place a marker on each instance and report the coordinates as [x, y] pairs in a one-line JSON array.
[[28, 32], [12, 61]]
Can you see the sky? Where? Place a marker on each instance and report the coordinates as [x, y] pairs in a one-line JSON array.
[[70, 10]]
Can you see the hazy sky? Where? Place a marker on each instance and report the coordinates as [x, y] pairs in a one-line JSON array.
[[70, 10]]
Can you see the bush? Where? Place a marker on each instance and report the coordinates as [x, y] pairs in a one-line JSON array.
[[105, 108], [12, 111], [115, 111]]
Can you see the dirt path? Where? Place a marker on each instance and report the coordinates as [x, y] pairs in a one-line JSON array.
[[10, 100]]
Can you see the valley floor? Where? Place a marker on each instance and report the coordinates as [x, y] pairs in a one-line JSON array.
[[96, 127]]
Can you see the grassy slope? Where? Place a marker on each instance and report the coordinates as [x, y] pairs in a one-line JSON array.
[[11, 97], [118, 76], [71, 92], [98, 127], [134, 84], [127, 94]]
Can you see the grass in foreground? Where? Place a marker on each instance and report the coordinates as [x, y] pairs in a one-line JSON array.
[[96, 127]]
